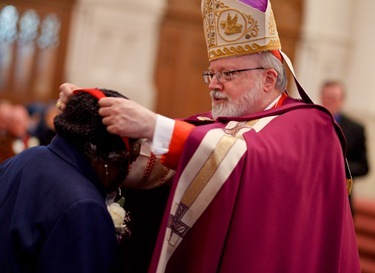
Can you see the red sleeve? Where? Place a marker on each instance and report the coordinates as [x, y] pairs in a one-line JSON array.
[[181, 131]]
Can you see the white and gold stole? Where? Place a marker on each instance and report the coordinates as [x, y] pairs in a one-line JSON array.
[[216, 157]]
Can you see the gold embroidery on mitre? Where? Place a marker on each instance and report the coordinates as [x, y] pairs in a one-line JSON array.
[[231, 26], [237, 27], [272, 25], [242, 50], [209, 14], [253, 30]]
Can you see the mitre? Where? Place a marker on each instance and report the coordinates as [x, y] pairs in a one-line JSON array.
[[238, 27]]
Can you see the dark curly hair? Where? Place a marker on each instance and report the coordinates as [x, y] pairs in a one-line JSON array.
[[81, 125]]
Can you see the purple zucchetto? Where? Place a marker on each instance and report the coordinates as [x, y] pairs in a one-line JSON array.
[[260, 5]]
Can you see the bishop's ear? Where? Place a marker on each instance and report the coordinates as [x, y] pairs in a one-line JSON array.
[[271, 79]]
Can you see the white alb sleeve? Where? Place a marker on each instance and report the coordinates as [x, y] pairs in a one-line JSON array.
[[162, 135]]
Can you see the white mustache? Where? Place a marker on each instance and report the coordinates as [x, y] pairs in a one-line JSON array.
[[218, 95]]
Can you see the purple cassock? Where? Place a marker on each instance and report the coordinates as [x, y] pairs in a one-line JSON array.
[[264, 193]]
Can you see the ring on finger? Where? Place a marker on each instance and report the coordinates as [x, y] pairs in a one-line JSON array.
[[59, 104]]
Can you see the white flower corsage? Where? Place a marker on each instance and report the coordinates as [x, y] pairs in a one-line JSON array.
[[120, 218]]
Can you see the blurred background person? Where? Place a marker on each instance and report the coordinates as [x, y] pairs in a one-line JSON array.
[[35, 110], [5, 112], [6, 150], [18, 130], [333, 98]]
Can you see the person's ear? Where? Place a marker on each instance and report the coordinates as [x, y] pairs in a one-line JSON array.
[[271, 79]]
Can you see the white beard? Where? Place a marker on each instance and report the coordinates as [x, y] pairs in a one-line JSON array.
[[239, 106]]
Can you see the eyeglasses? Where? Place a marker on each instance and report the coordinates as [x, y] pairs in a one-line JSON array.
[[224, 75]]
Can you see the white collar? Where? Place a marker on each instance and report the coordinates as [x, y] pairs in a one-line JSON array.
[[272, 104]]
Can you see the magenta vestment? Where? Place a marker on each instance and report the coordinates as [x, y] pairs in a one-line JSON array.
[[284, 207]]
